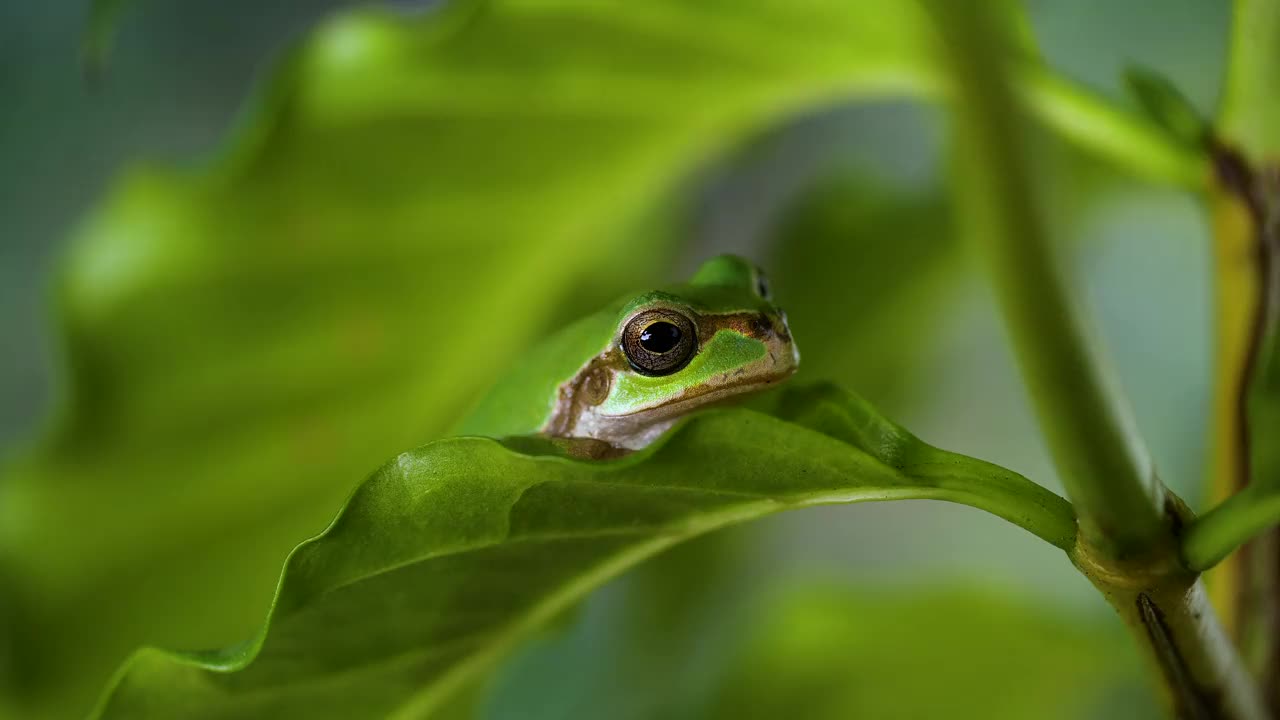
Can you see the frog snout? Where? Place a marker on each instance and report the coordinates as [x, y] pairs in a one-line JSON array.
[[780, 326]]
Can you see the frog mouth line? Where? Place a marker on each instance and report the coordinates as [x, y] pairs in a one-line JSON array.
[[636, 430], [710, 395], [717, 393]]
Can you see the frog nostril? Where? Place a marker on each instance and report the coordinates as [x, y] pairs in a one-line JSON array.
[[761, 326]]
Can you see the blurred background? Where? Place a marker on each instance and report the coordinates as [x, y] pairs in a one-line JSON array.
[[149, 494]]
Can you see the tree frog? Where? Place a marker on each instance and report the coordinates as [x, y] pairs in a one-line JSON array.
[[616, 380]]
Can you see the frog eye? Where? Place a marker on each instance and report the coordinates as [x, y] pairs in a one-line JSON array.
[[762, 285], [659, 342]]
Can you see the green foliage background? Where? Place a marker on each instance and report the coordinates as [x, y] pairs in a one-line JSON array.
[[333, 276]]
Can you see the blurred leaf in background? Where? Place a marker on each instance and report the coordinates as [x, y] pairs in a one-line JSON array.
[[414, 198], [382, 237], [897, 260], [831, 652]]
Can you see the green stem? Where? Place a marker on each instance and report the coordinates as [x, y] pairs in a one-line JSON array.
[[1127, 543], [1248, 209], [1219, 532], [1132, 142], [1250, 113], [1099, 457], [1197, 663]]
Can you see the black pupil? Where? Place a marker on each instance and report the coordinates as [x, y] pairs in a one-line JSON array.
[[660, 337]]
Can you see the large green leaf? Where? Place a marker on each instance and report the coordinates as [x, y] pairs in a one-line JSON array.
[[450, 554], [411, 198], [382, 237]]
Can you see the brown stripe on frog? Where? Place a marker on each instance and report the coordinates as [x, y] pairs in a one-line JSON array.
[[588, 388], [758, 326]]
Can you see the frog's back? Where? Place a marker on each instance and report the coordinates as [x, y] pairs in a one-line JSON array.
[[523, 401]]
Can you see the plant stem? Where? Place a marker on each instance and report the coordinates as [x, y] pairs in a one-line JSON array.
[[1246, 239], [1130, 141], [1219, 532], [1197, 663], [1128, 520], [1238, 310], [1250, 112], [1247, 582], [1100, 459]]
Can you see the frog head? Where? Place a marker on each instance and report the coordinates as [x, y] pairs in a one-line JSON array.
[[675, 350]]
